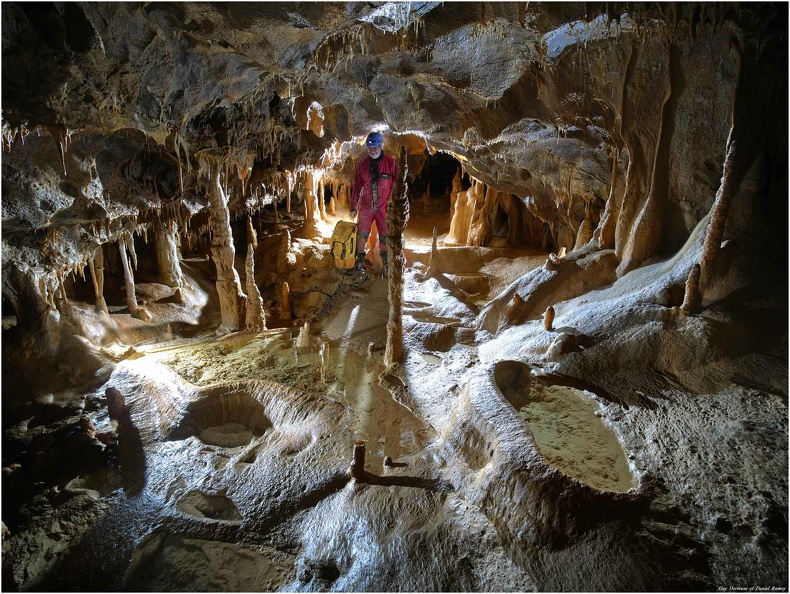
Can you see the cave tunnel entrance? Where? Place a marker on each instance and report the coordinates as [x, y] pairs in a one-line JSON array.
[[430, 191]]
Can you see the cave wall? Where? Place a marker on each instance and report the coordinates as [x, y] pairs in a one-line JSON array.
[[611, 118]]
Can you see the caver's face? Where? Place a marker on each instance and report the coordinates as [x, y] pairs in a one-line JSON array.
[[374, 151]]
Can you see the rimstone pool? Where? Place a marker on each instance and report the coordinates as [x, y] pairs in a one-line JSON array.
[[567, 432]]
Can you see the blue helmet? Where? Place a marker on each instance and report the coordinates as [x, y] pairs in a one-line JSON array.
[[375, 139]]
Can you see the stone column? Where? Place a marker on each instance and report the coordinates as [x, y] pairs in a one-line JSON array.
[[311, 210], [128, 275], [97, 276], [167, 259], [397, 217], [232, 300]]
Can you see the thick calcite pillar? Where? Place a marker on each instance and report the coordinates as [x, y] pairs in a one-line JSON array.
[[165, 236], [397, 217], [480, 229], [97, 276], [128, 275], [232, 300], [36, 316], [311, 210]]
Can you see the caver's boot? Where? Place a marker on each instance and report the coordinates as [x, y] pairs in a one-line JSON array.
[[359, 265], [385, 264]]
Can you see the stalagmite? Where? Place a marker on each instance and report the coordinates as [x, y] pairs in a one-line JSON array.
[[166, 240], [433, 264], [692, 300], [285, 302], [585, 232], [303, 340], [252, 236], [282, 254], [321, 203], [331, 209], [604, 234], [232, 300], [397, 218], [128, 276], [548, 318], [357, 468], [256, 317], [312, 207], [97, 276], [718, 217]]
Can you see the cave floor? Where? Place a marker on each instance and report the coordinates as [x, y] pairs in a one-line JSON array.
[[228, 469]]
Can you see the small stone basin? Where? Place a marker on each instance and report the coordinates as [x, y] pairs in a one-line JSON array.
[[229, 435], [431, 358], [567, 433]]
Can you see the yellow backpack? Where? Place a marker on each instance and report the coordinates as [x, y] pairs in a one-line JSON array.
[[344, 244]]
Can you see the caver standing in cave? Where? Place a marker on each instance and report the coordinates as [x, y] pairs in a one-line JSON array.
[[373, 183]]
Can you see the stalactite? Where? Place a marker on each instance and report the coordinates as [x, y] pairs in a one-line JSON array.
[[128, 276], [718, 217], [61, 135], [397, 218], [288, 194], [61, 292], [129, 240], [256, 317]]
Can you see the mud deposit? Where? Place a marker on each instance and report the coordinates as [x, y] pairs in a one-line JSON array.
[[573, 439]]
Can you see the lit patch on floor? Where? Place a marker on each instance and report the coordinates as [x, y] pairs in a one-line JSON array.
[[566, 429], [573, 439]]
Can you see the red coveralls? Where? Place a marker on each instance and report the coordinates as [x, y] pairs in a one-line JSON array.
[[370, 197]]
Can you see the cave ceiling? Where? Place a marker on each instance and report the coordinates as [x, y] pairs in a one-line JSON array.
[[123, 108]]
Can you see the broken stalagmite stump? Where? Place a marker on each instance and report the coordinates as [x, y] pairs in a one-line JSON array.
[[552, 262], [548, 318], [116, 404], [357, 469]]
